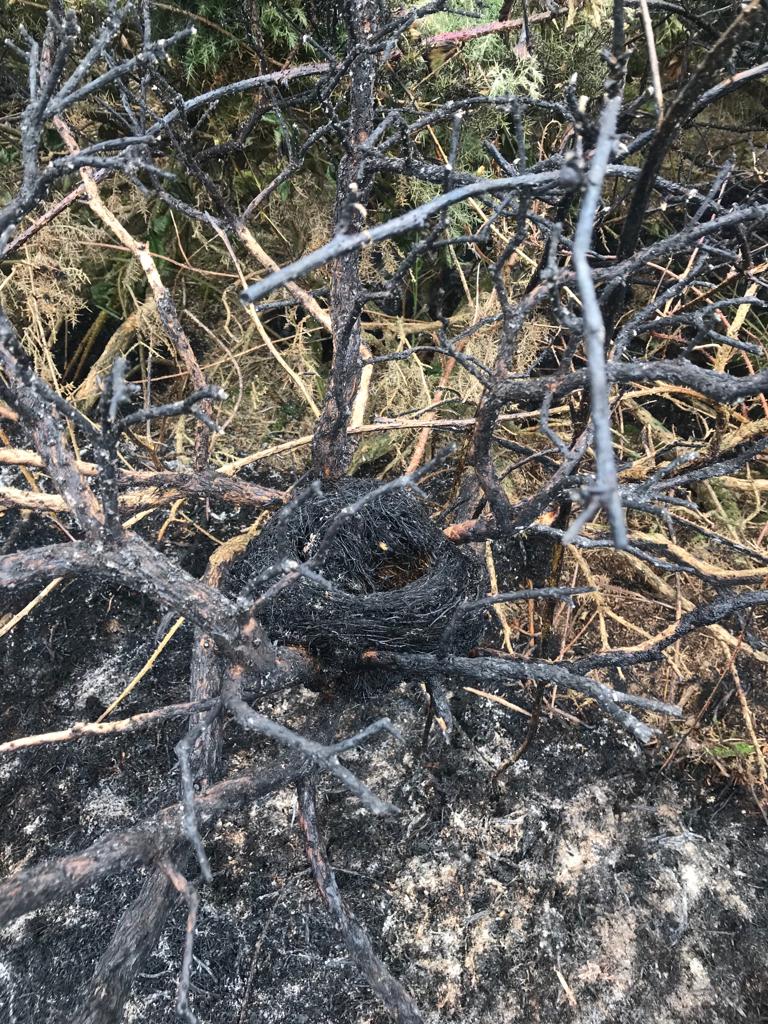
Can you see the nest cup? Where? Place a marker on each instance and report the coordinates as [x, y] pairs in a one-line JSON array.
[[397, 581]]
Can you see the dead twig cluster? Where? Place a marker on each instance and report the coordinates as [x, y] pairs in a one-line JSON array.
[[679, 339]]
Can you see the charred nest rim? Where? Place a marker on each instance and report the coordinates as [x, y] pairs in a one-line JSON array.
[[397, 581]]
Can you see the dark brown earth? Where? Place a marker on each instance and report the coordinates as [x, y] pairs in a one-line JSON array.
[[585, 886]]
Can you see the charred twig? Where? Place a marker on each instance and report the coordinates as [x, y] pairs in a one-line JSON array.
[[343, 244], [538, 275], [704, 615], [507, 670], [188, 891], [165, 484], [118, 851], [395, 998], [330, 445], [532, 594], [183, 752], [138, 934], [135, 935], [679, 111], [136, 723], [326, 756]]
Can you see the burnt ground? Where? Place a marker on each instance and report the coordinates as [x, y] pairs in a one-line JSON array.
[[583, 886]]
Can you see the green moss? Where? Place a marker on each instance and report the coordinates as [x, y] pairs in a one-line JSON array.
[[736, 748]]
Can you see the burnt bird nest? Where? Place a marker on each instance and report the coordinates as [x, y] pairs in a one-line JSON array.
[[386, 579]]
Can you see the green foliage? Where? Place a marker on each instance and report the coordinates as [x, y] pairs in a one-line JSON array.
[[735, 748], [462, 217], [160, 228], [208, 49], [9, 156], [287, 413], [596, 11], [445, 21], [276, 27], [578, 47], [494, 65], [487, 65], [284, 24]]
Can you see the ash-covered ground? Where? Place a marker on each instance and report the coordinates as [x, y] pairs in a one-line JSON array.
[[583, 885]]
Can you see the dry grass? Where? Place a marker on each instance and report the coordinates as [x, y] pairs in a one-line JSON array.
[[273, 371]]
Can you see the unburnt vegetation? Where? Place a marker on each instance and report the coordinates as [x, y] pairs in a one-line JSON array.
[[383, 422]]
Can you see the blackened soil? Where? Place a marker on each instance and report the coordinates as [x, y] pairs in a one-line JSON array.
[[583, 886]]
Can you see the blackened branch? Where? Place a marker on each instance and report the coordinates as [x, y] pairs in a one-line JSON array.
[[397, 1000]]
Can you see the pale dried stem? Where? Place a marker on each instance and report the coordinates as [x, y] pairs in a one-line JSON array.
[[262, 331], [164, 303], [653, 58]]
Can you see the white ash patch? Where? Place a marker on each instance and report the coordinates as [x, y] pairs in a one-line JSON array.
[[104, 682], [105, 807]]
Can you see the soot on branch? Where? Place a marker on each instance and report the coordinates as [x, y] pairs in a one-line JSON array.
[[395, 583]]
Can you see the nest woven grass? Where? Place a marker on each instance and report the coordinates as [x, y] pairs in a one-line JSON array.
[[397, 583]]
